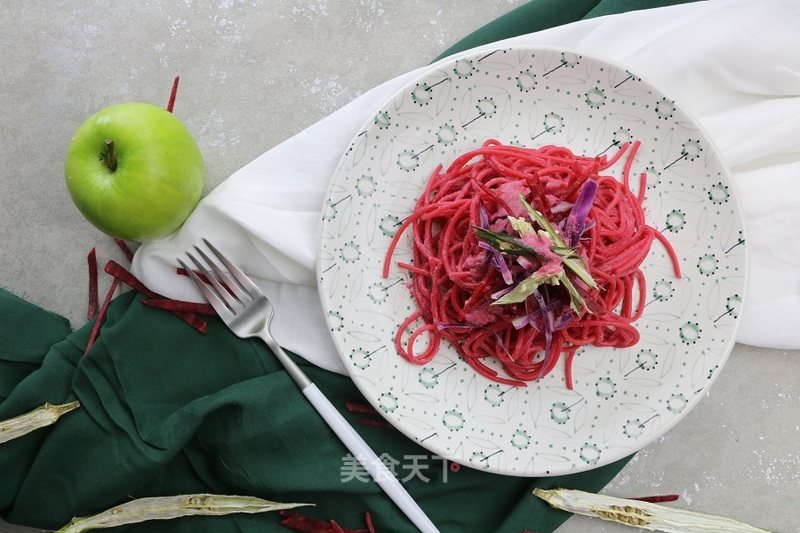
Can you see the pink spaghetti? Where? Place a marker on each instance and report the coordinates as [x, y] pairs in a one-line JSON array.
[[502, 219]]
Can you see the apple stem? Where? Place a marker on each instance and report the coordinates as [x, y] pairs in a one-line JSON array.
[[110, 158]]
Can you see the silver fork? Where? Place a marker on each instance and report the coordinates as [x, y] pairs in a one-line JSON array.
[[247, 312]]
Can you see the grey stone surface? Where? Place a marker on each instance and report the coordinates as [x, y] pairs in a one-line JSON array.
[[256, 72]]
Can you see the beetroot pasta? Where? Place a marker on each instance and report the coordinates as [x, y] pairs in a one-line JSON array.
[[524, 255]]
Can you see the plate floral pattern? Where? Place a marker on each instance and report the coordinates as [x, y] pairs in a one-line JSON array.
[[622, 399]]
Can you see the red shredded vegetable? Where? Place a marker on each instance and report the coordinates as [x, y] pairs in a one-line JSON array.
[[456, 277], [126, 250], [173, 94], [355, 407], [121, 273], [362, 408], [203, 278], [182, 272], [101, 315], [305, 524], [91, 259], [378, 423], [189, 312], [657, 499], [368, 520], [118, 271]]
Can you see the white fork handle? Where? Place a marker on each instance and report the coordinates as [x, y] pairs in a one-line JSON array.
[[371, 462]]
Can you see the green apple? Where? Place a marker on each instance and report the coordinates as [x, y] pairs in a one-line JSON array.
[[134, 171]]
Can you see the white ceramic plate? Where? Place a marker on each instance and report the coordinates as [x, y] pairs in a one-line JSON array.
[[622, 398]]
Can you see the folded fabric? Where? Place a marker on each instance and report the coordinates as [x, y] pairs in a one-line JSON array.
[[166, 410], [731, 64]]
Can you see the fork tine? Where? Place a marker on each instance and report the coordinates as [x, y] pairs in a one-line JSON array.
[[228, 299], [219, 305], [244, 282], [225, 280]]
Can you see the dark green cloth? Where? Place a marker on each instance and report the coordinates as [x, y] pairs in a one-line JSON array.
[[166, 410]]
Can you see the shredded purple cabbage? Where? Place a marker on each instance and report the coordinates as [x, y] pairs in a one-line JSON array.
[[547, 323], [484, 216], [520, 321], [502, 292], [499, 262], [576, 221], [527, 264], [563, 321], [496, 259]]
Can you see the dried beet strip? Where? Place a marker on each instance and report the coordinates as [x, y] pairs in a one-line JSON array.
[[91, 259], [173, 93], [657, 499], [364, 409], [180, 305], [376, 422], [305, 524], [355, 407], [119, 272], [182, 272], [101, 315], [368, 520], [125, 249], [193, 320]]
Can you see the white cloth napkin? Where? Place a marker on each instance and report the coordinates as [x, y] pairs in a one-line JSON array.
[[734, 65]]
